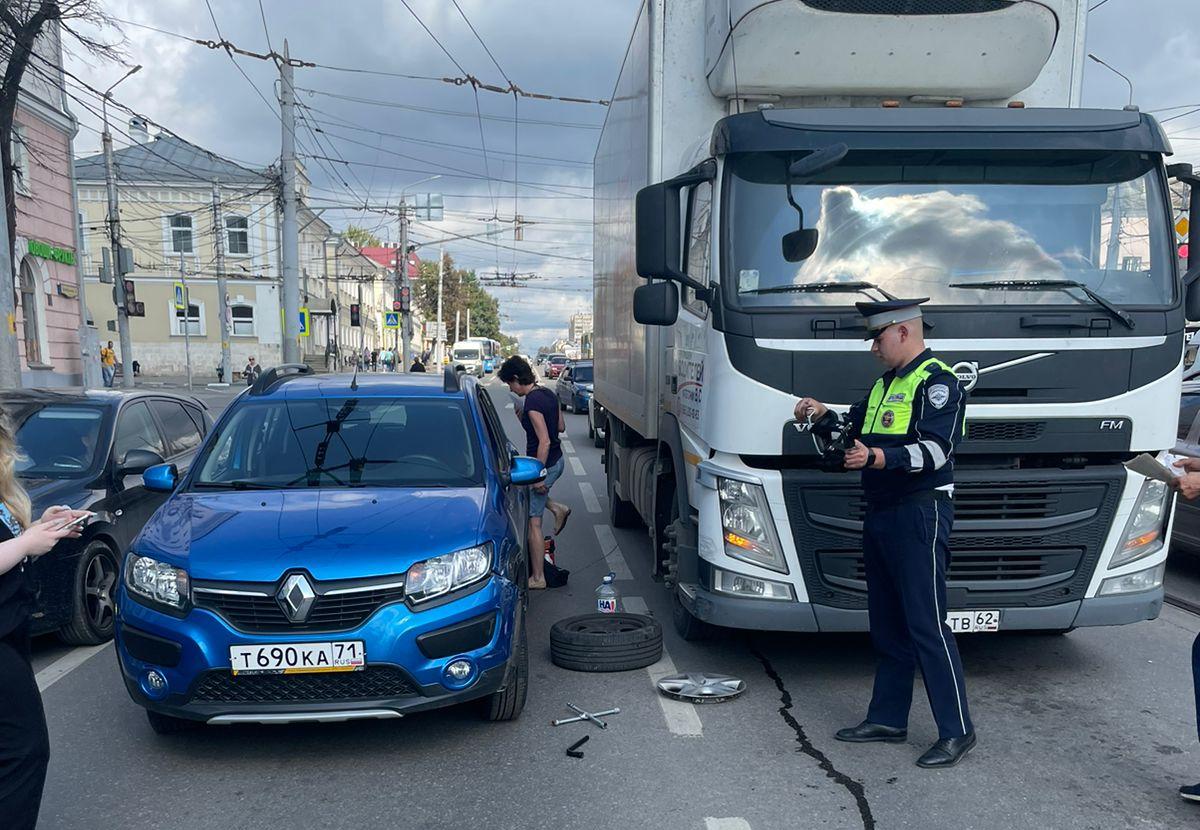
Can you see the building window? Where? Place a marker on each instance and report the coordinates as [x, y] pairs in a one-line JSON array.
[[238, 233], [181, 234], [195, 320], [243, 320], [20, 161], [35, 352]]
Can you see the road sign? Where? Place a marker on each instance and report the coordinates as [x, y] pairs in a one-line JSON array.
[[395, 305], [179, 296], [1181, 227], [305, 320], [432, 332], [391, 320]]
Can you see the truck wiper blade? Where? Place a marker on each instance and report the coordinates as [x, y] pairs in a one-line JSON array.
[[852, 287], [1053, 285]]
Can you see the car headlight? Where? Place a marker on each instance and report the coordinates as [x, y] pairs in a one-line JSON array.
[[157, 581], [442, 574], [746, 525], [1146, 526], [1135, 582]]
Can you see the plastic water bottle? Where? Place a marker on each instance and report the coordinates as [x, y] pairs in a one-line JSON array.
[[608, 601]]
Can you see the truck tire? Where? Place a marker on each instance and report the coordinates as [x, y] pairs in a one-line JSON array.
[[687, 625], [621, 513], [606, 642], [507, 703], [92, 609]]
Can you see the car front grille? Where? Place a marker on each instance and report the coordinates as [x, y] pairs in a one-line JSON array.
[[371, 683], [262, 613]]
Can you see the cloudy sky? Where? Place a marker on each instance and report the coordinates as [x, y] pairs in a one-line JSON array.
[[377, 132]]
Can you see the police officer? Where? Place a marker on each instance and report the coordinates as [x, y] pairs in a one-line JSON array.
[[905, 433]]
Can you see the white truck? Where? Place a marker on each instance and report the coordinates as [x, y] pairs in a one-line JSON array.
[[763, 165]]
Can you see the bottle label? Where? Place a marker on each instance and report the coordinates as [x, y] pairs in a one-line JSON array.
[[606, 605]]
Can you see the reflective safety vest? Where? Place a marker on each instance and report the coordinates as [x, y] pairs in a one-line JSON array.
[[890, 409]]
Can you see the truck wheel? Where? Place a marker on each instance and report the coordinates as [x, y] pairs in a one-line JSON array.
[[606, 642], [167, 725], [507, 703], [597, 439], [621, 513], [591, 429], [92, 604], [687, 625]]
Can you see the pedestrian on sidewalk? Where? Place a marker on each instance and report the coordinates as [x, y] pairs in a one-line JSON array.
[[374, 360], [108, 363], [252, 371], [1188, 486], [24, 741], [541, 420]]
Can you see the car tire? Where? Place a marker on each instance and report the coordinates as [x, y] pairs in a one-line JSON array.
[[507, 703], [606, 642], [92, 609], [167, 725]]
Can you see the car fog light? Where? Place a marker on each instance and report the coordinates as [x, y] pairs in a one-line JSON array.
[[459, 673], [726, 582], [154, 685]]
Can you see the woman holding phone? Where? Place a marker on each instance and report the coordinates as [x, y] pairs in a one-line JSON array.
[[24, 743]]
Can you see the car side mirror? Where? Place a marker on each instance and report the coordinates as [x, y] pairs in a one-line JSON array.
[[161, 478], [656, 304], [526, 470], [136, 462]]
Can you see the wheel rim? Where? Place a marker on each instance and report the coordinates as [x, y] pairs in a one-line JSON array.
[[608, 625], [97, 587]]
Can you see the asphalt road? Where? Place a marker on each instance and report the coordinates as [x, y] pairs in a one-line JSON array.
[[1094, 729]]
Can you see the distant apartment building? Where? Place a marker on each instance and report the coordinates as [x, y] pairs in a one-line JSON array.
[[581, 323]]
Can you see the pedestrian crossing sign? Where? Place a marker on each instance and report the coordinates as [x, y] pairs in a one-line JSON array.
[[391, 320], [305, 320], [179, 296]]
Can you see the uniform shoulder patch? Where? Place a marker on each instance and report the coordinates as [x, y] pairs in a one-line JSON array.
[[938, 394]]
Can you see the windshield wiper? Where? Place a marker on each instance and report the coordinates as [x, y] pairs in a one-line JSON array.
[[852, 287], [237, 484], [1053, 285]]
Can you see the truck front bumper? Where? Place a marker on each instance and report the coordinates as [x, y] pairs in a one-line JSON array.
[[776, 615]]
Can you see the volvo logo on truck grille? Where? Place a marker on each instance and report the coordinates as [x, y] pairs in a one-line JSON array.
[[967, 374], [296, 597]]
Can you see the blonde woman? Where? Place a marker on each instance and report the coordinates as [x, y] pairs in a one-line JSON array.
[[24, 744]]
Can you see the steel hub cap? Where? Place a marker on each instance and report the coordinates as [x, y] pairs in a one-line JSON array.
[[699, 687]]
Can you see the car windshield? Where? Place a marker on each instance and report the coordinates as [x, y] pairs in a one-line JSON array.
[[57, 441], [582, 374], [923, 223], [344, 442], [558, 361], [466, 354]]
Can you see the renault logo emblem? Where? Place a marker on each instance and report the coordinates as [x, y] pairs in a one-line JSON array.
[[296, 597]]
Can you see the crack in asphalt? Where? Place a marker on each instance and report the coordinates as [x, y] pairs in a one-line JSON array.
[[855, 788]]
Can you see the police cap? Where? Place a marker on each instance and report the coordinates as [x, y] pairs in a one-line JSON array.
[[884, 313]]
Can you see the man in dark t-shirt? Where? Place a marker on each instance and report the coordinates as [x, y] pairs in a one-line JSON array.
[[542, 423]]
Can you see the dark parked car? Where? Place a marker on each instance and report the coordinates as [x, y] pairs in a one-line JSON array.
[[88, 450], [574, 386], [1185, 534]]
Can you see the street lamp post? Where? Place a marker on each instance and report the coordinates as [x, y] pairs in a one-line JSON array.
[[114, 238], [402, 272]]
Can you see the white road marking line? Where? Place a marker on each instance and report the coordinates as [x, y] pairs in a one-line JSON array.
[[681, 717], [576, 465], [612, 552], [726, 824], [567, 445], [63, 666], [589, 497]]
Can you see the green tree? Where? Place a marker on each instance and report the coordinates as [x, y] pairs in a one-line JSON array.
[[460, 291], [361, 237]]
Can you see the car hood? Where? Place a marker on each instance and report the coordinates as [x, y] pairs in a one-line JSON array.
[[334, 534], [44, 492]]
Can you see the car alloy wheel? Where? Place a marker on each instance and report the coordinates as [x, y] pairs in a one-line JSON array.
[[93, 608]]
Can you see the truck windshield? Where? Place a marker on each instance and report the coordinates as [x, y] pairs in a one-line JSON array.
[[466, 354], [923, 223]]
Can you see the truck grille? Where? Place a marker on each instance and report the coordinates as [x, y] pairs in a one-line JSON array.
[[909, 7], [1017, 540], [1005, 430], [372, 683], [263, 615]]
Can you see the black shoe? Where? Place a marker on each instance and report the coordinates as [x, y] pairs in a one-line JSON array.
[[871, 732], [947, 752], [1191, 793]]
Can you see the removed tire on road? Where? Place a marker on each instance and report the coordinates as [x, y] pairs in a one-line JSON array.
[[606, 642]]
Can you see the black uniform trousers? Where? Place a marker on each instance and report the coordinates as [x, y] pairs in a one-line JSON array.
[[24, 742], [906, 553]]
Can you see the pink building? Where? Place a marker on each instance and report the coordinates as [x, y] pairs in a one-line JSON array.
[[49, 300]]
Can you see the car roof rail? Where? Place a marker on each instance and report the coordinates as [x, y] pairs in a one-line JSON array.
[[450, 381], [278, 374]]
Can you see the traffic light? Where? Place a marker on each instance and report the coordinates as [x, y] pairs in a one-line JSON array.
[[355, 317], [405, 299]]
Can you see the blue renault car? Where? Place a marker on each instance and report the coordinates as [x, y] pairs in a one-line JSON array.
[[341, 548]]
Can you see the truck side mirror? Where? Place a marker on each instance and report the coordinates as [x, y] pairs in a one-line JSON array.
[[656, 304], [658, 246]]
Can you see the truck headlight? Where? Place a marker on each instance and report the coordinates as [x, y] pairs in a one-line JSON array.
[[157, 581], [442, 574], [746, 525], [1132, 583], [742, 585], [1145, 529]]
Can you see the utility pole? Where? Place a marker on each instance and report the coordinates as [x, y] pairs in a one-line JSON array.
[[290, 247], [405, 333], [187, 316], [457, 314], [438, 334], [468, 322], [10, 357], [114, 238], [222, 286]]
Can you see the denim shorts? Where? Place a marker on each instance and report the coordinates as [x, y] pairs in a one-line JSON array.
[[537, 501]]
